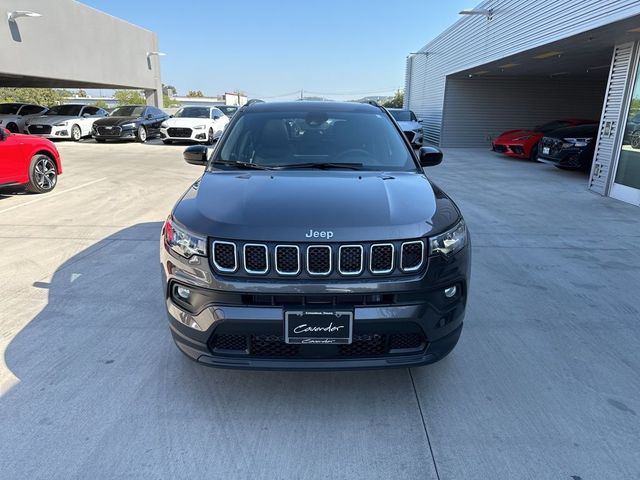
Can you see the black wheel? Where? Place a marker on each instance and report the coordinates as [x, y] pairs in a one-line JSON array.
[[210, 139], [76, 133], [13, 128], [43, 174], [100, 140], [167, 142], [142, 134], [533, 156]]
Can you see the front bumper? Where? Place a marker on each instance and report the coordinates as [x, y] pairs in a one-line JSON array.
[[235, 324], [512, 149], [568, 158], [55, 132], [194, 136], [116, 133]]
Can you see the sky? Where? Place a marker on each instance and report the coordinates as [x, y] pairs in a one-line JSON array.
[[339, 49]]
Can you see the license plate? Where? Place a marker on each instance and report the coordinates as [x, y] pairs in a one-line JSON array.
[[318, 327], [545, 150]]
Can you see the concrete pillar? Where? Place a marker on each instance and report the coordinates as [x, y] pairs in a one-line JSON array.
[[154, 97]]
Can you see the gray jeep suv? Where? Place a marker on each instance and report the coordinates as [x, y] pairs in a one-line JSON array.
[[314, 240]]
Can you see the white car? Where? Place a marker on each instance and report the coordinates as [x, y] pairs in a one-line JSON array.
[[195, 123], [72, 121], [14, 115], [410, 125]]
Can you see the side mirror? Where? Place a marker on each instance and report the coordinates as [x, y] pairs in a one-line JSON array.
[[430, 156], [196, 155]]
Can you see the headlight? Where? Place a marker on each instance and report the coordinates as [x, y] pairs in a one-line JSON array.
[[182, 242], [577, 142], [199, 127], [449, 242], [61, 124], [525, 137], [129, 125]]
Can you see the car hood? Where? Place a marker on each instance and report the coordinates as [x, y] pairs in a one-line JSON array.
[[409, 126], [186, 122], [113, 121], [580, 131], [513, 134], [51, 119], [285, 206]]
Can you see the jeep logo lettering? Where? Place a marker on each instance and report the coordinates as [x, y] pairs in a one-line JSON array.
[[328, 234]]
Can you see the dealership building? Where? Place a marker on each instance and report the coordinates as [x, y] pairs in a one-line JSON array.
[[511, 64], [66, 44]]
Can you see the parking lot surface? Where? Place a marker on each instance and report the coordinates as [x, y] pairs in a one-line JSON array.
[[543, 384]]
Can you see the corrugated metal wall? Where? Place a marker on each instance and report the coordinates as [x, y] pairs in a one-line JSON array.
[[614, 105], [516, 26], [513, 103]]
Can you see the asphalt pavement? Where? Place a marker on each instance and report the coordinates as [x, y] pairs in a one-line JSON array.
[[544, 383]]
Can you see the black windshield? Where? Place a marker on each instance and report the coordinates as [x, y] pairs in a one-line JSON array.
[[66, 110], [193, 112], [128, 111], [9, 108], [281, 139]]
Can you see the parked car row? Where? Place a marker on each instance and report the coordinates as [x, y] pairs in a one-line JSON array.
[[202, 124], [567, 144]]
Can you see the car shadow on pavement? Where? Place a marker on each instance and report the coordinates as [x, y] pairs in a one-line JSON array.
[[102, 392]]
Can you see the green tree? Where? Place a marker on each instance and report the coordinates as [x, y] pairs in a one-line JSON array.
[[396, 101], [169, 102], [195, 93], [129, 97], [39, 96], [81, 93]]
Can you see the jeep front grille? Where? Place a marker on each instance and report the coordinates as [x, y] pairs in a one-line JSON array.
[[273, 260]]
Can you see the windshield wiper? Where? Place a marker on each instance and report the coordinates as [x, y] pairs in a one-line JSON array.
[[320, 166], [239, 164]]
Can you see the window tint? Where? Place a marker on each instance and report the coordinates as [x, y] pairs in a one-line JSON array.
[[193, 112], [129, 111], [215, 113], [285, 138], [66, 110], [90, 110], [402, 115], [32, 110], [9, 108]]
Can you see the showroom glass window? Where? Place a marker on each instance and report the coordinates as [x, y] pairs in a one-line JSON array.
[[628, 172]]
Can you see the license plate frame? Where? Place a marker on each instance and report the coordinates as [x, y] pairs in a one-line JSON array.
[[545, 150], [318, 327]]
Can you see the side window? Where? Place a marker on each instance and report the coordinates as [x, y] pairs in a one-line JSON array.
[[90, 110], [413, 117], [32, 110], [215, 113], [158, 113]]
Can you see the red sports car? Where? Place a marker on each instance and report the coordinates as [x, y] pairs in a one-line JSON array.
[[524, 143], [32, 162]]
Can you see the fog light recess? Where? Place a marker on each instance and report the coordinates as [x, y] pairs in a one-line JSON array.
[[183, 293], [450, 292]]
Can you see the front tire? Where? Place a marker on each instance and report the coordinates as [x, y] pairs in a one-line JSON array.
[[43, 174], [210, 139], [76, 133], [142, 134]]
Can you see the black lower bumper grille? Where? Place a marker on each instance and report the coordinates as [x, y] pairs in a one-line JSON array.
[[179, 132], [410, 135], [40, 129], [109, 131], [274, 346]]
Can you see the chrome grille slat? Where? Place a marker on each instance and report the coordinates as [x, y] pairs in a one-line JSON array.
[[348, 257], [284, 259], [378, 258], [313, 262], [256, 258]]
